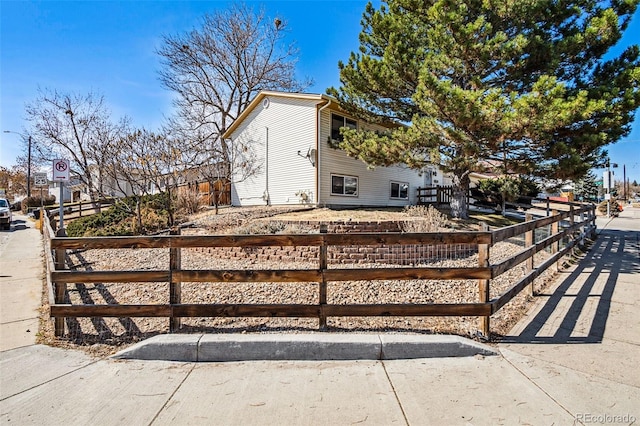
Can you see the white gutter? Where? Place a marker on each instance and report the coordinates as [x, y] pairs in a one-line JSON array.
[[318, 151]]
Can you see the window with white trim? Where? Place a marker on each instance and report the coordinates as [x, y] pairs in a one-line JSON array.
[[400, 190], [339, 121], [344, 185]]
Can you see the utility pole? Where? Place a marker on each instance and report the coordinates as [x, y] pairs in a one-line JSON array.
[[624, 181], [29, 168], [608, 195]]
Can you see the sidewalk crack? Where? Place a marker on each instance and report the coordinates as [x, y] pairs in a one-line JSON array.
[[395, 393], [166, 403]]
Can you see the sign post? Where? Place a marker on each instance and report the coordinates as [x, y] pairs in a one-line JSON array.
[[61, 175], [40, 179]]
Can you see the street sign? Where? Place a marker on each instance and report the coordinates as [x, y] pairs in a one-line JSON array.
[[60, 170], [40, 179], [607, 178]]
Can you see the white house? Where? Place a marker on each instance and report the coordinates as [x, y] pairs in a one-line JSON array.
[[290, 133]]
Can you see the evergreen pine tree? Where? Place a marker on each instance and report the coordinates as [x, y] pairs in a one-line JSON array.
[[586, 188], [522, 84]]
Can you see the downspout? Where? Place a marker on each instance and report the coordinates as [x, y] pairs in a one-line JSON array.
[[318, 156], [265, 196]]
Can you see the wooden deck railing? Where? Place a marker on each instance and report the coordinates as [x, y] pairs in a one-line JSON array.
[[572, 231]]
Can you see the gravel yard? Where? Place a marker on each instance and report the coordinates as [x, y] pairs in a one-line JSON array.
[[103, 336]]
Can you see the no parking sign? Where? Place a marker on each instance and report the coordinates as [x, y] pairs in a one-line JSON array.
[[60, 171]]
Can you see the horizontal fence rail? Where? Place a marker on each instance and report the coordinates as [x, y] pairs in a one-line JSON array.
[[557, 227]]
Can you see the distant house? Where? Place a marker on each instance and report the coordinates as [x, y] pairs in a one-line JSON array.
[[291, 134], [67, 189]]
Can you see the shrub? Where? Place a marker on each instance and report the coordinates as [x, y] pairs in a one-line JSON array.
[[272, 227], [121, 218], [47, 200], [189, 201], [105, 223], [491, 191], [152, 220], [261, 227], [613, 206], [432, 220]]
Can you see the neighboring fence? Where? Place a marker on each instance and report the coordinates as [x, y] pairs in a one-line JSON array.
[[81, 208], [437, 195], [216, 193], [570, 226]]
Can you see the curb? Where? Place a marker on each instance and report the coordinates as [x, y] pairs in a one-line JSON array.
[[296, 347]]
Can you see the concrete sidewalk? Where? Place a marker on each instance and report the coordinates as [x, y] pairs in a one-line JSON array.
[[21, 278], [573, 360]]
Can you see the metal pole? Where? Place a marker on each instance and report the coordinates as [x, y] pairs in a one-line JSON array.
[[29, 169], [608, 197], [61, 205], [41, 210]]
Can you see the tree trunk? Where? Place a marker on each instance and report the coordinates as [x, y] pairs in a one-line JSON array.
[[459, 206], [170, 206], [139, 214]]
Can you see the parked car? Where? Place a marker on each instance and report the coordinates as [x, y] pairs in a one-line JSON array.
[[5, 214]]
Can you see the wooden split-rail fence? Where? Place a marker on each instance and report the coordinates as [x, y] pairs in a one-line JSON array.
[[571, 227]]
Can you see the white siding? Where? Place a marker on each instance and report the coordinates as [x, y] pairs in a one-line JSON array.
[[282, 134], [374, 186], [278, 133]]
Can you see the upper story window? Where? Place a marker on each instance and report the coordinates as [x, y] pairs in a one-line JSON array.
[[400, 190], [344, 185], [338, 121]]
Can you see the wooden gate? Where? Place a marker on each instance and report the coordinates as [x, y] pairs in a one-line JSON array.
[[221, 191]]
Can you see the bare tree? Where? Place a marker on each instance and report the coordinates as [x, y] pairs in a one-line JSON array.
[[148, 162], [13, 181], [216, 70], [77, 127]]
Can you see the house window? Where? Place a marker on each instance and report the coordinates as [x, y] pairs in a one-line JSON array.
[[400, 190], [338, 121], [344, 185]]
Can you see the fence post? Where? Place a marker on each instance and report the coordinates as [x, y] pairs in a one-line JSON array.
[[528, 242], [583, 228], [483, 285], [556, 245], [175, 287], [322, 318], [60, 288], [592, 213], [572, 234], [548, 205]]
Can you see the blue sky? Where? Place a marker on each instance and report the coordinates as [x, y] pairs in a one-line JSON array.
[[109, 47]]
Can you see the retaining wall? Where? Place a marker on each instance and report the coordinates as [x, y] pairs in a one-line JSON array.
[[408, 254]]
